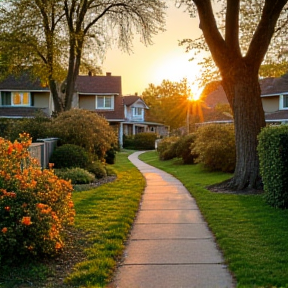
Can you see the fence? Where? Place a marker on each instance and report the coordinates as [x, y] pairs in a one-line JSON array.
[[42, 150]]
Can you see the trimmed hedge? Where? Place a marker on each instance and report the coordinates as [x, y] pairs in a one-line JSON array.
[[140, 141], [273, 157]]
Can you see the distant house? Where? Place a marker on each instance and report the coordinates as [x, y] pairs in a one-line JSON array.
[[274, 95], [21, 97]]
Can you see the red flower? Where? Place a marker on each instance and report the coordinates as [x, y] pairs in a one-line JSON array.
[[26, 221], [4, 230]]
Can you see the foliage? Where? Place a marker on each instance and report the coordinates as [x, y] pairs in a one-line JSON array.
[[215, 147], [37, 127], [73, 32], [86, 129], [167, 103], [273, 155], [140, 141], [97, 168], [183, 149], [110, 155], [76, 175], [167, 148], [251, 234], [70, 155], [35, 205], [145, 141]]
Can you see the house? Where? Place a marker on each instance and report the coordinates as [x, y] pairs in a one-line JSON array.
[[103, 94], [274, 96], [21, 97]]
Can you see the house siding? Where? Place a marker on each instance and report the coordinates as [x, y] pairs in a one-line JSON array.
[[87, 102], [270, 104], [41, 100]]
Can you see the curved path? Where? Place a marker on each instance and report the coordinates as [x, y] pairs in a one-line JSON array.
[[170, 244]]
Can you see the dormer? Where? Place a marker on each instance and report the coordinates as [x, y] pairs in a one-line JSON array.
[[134, 108]]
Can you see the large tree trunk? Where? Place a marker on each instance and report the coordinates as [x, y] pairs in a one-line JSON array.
[[243, 93], [73, 71], [58, 104]]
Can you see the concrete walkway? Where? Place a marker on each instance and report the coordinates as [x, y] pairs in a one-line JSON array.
[[170, 245]]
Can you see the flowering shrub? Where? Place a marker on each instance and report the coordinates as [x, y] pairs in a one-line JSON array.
[[35, 205]]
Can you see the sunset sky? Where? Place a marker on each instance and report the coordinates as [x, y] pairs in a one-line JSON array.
[[165, 59]]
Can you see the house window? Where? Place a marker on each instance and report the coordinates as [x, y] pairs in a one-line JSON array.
[[20, 98], [104, 102], [285, 101], [137, 111], [6, 98]]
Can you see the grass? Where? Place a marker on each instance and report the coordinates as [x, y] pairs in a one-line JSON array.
[[252, 235], [104, 216]]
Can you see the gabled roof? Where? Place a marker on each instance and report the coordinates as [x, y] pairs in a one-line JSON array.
[[274, 86], [98, 84], [23, 82], [131, 99]]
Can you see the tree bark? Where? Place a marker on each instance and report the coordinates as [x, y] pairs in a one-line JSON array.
[[243, 93]]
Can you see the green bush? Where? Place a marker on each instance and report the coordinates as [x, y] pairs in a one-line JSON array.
[[70, 155], [97, 169], [128, 142], [110, 156], [86, 129], [37, 127], [140, 141], [215, 147], [273, 156], [76, 175], [145, 141], [167, 148], [184, 149]]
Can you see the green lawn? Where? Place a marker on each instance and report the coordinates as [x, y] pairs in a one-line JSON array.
[[252, 235]]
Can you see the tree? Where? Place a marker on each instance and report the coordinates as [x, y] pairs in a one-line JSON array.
[[51, 28], [167, 103], [239, 67]]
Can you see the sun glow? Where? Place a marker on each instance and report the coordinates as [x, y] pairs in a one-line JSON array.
[[175, 67]]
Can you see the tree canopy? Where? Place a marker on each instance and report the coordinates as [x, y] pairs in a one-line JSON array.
[[55, 36], [167, 103]]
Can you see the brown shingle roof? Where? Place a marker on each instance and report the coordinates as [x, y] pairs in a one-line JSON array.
[[22, 82], [129, 100], [99, 84], [274, 86]]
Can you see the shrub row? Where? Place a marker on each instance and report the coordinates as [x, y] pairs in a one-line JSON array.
[[211, 145], [140, 141], [77, 126]]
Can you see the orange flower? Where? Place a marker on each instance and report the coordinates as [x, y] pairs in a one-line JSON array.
[[7, 208], [51, 165], [10, 149], [26, 221], [4, 230], [58, 245]]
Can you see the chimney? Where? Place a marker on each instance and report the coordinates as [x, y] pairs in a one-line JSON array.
[[108, 73]]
